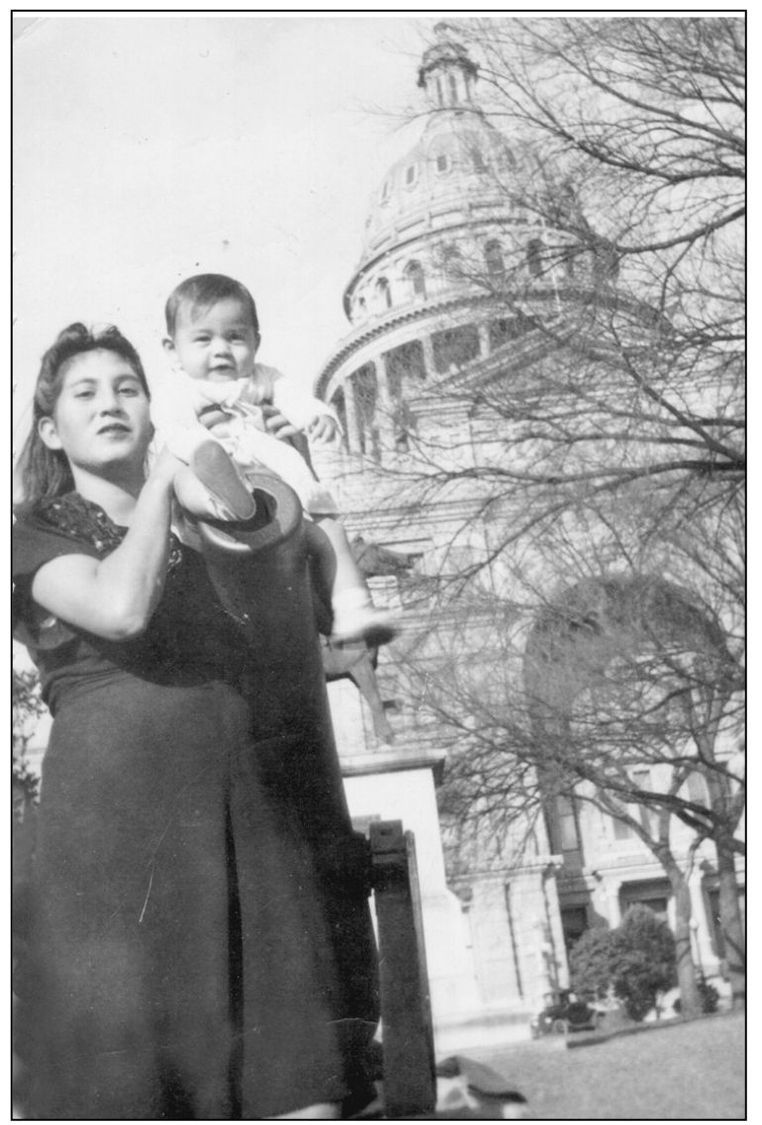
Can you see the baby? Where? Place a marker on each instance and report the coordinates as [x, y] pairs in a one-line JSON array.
[[213, 337]]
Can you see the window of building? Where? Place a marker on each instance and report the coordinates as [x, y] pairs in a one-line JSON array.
[[454, 347], [443, 163], [505, 329], [411, 174], [574, 922], [563, 831], [697, 790], [712, 904], [452, 260], [567, 825], [366, 396], [534, 256], [453, 89], [416, 278], [622, 831], [386, 191], [339, 405], [568, 257], [493, 258], [383, 289], [478, 160], [653, 893], [405, 368], [440, 97]]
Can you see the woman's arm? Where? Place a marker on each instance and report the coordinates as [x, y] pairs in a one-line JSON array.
[[116, 596]]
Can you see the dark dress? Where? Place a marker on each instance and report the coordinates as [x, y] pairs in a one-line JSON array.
[[181, 962]]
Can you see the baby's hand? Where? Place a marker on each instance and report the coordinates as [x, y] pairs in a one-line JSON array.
[[322, 429]]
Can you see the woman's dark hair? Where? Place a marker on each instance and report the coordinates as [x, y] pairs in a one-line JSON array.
[[43, 473], [205, 290]]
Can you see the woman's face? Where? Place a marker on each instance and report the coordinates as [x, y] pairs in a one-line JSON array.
[[101, 419]]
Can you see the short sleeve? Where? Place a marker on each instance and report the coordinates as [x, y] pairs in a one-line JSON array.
[[32, 547]]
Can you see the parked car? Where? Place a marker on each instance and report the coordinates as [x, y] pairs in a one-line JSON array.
[[565, 1013]]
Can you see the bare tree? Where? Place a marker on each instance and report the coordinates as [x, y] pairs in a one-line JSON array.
[[600, 440], [618, 692], [27, 708]]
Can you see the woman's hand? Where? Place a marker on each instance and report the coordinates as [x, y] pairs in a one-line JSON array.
[[165, 467]]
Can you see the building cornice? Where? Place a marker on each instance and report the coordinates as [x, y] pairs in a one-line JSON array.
[[364, 765]]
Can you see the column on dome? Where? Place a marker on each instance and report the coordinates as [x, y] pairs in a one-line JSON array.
[[385, 406], [428, 356], [353, 425]]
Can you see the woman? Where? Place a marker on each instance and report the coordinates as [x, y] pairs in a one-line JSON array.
[[180, 964]]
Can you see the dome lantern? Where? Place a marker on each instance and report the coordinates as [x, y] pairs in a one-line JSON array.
[[447, 73]]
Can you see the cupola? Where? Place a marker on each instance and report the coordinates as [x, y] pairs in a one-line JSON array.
[[447, 73]]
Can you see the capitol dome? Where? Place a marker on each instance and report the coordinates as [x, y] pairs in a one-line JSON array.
[[469, 239], [462, 170], [460, 157]]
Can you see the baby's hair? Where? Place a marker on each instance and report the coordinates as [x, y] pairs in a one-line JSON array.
[[44, 473], [205, 290]]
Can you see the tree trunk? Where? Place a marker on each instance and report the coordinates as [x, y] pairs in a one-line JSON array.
[[690, 1000], [731, 923]]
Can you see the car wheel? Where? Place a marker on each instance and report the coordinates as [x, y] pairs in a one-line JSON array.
[[560, 1027]]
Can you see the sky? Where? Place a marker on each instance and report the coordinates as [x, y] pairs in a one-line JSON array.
[[149, 148]]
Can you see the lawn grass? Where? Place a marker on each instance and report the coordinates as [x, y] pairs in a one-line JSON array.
[[693, 1070]]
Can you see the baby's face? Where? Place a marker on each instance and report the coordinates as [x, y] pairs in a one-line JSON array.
[[218, 343]]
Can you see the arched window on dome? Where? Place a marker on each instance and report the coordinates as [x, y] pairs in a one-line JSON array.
[[417, 279], [386, 191], [534, 256], [440, 97], [453, 89], [384, 293], [411, 175], [443, 163], [452, 261], [493, 258]]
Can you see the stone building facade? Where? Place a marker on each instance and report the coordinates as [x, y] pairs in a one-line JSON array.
[[427, 332]]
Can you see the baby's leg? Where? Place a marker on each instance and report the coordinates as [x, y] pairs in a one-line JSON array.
[[355, 618]]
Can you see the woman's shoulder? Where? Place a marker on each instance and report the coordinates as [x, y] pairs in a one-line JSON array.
[[65, 524], [57, 526]]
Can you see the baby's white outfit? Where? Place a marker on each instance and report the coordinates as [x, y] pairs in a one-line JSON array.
[[178, 399]]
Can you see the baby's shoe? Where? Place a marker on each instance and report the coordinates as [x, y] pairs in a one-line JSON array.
[[355, 618], [223, 496]]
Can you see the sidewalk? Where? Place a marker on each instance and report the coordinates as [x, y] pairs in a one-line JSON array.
[[693, 1071]]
